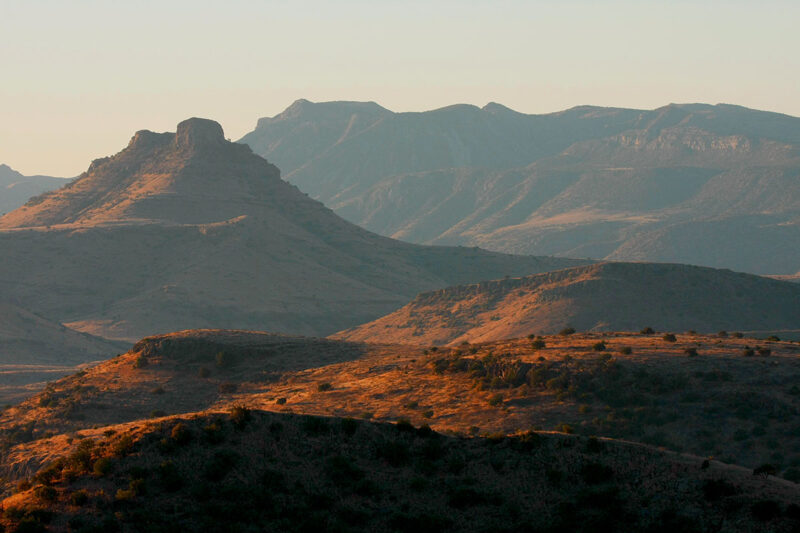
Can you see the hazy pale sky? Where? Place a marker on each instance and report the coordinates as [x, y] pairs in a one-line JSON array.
[[78, 78]]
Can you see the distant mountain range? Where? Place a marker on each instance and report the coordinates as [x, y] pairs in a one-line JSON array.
[[709, 185], [16, 189], [599, 297], [187, 230]]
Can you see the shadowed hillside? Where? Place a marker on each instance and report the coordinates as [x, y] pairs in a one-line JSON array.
[[187, 230], [16, 189], [686, 183]]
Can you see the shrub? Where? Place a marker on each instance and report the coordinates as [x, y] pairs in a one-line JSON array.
[[737, 335], [393, 452], [221, 464], [594, 445], [647, 331], [123, 446], [203, 372], [565, 428], [322, 387], [102, 467], [599, 346], [124, 495], [567, 331], [181, 435], [691, 352], [213, 433], [240, 416], [538, 344], [722, 334], [140, 362], [427, 413], [496, 400], [669, 337], [773, 338], [46, 493], [280, 401], [78, 498], [748, 352], [349, 426], [626, 350], [764, 352], [411, 405], [765, 470], [404, 425], [169, 476]]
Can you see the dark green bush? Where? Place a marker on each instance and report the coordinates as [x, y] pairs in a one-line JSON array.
[[240, 416], [669, 337], [323, 387], [567, 331], [181, 434], [102, 467], [647, 331], [626, 350]]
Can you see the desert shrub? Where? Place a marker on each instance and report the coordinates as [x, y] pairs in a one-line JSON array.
[[50, 473], [599, 346], [625, 350], [124, 495], [737, 335], [169, 476], [78, 498], [538, 344], [428, 413], [181, 434], [23, 485], [411, 405], [594, 445], [322, 387], [748, 352], [669, 337], [221, 463], [567, 331], [765, 470], [496, 400], [764, 352], [565, 428], [123, 446], [773, 338], [140, 362], [647, 331], [203, 372], [46, 493], [102, 467], [404, 425], [722, 334], [691, 352], [214, 433], [766, 510], [280, 401], [240, 416]]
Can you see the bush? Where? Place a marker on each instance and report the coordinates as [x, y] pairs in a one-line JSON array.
[[203, 372], [181, 435], [46, 493], [765, 470], [123, 446], [538, 344], [102, 467], [322, 387], [169, 476], [691, 352], [567, 331], [227, 388], [349, 426], [496, 400], [626, 350], [427, 413], [722, 334], [647, 331], [599, 346], [140, 362], [240, 416], [737, 335], [79, 498], [764, 352], [748, 352], [280, 401], [221, 464], [669, 337]]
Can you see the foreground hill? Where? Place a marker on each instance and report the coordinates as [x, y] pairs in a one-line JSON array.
[[186, 230], [636, 387], [16, 189], [600, 297], [690, 183], [254, 471]]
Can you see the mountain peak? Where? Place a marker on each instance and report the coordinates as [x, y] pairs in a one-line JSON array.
[[199, 133]]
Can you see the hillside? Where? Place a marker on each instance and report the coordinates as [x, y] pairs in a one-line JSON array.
[[34, 350], [16, 189], [187, 230], [600, 297], [246, 470], [636, 387], [685, 183]]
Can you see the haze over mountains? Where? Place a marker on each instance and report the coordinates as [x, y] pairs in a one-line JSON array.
[[690, 183], [185, 230], [16, 189]]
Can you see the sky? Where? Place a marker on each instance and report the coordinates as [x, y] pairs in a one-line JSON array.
[[79, 77]]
